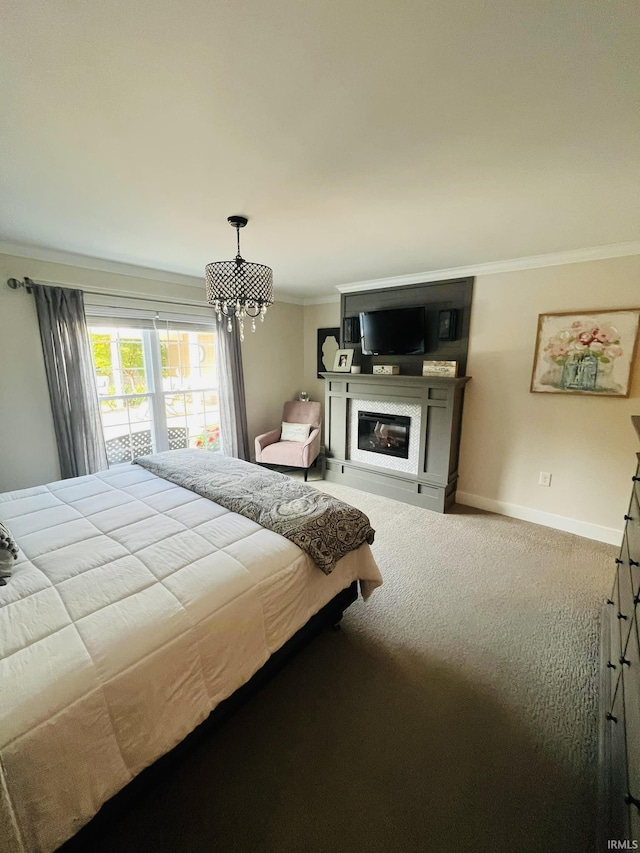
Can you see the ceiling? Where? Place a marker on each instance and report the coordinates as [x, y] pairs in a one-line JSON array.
[[364, 139]]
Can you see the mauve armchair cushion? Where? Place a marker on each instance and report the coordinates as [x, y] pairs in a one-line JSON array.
[[294, 453], [311, 448], [297, 412], [272, 451], [264, 440]]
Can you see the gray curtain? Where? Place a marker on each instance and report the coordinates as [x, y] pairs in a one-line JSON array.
[[69, 369], [233, 406]]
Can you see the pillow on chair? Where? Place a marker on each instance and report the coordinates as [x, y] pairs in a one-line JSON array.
[[295, 432]]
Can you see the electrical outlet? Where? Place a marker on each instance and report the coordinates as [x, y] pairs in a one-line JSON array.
[[544, 479]]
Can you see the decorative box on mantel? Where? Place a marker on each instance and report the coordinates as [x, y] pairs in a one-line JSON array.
[[397, 436]]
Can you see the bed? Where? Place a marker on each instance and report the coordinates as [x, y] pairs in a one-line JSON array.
[[136, 606]]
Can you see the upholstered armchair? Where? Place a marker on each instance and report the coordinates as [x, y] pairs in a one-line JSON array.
[[271, 450]]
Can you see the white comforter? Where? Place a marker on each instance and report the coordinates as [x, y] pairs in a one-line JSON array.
[[136, 606]]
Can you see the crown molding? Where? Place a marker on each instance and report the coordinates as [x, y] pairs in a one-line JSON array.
[[572, 256], [290, 298], [321, 300], [54, 256], [38, 253]]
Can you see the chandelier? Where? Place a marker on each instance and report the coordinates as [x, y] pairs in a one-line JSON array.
[[239, 288]]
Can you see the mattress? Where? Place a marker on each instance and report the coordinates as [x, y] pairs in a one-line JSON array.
[[135, 607]]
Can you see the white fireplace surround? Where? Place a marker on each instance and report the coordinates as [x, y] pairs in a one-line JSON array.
[[380, 460]]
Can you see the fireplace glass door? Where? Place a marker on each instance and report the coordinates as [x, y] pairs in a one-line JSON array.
[[388, 434]]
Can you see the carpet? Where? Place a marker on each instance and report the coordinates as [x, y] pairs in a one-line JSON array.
[[454, 711]]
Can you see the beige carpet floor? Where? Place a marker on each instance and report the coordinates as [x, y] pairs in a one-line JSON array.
[[454, 711]]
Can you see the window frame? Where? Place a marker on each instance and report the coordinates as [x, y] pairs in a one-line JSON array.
[[152, 367]]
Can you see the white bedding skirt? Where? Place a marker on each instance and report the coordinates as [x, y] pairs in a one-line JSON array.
[[135, 607]]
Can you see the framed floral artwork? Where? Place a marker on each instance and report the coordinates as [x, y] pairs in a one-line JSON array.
[[587, 353]]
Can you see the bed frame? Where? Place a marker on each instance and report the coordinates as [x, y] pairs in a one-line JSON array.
[[329, 615]]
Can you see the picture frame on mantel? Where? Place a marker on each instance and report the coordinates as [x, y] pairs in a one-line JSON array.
[[328, 345], [342, 361], [588, 352]]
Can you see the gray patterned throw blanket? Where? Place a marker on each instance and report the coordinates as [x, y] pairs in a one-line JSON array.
[[8, 553], [320, 524]]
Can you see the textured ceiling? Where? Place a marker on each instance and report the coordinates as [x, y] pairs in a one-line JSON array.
[[363, 139]]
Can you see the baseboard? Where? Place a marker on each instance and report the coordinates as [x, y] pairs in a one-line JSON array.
[[547, 519]]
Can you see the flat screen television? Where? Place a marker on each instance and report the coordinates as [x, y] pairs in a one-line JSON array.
[[398, 331]]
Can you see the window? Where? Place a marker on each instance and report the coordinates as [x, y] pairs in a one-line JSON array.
[[158, 389]]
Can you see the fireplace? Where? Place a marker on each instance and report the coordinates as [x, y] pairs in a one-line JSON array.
[[380, 433]]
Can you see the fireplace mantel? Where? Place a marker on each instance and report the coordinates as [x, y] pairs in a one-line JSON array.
[[437, 404], [398, 379]]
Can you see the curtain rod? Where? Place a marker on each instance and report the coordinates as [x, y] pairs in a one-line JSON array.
[[14, 284], [28, 283]]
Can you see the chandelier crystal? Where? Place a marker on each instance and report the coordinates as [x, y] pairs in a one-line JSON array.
[[239, 288]]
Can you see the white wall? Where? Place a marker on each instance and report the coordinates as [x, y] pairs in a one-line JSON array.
[[509, 434], [316, 317], [28, 455], [273, 367]]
